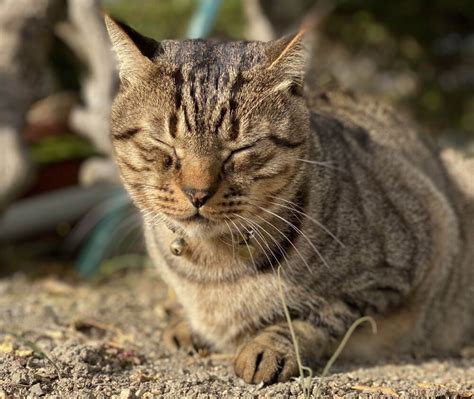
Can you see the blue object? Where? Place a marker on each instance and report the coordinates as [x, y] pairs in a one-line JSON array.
[[203, 19], [97, 246]]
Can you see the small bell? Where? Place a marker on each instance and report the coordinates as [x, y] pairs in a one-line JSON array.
[[246, 249], [249, 234], [177, 246]]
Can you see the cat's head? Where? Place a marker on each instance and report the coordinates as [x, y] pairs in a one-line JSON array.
[[204, 131]]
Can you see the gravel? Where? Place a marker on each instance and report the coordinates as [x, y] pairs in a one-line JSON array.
[[77, 339]]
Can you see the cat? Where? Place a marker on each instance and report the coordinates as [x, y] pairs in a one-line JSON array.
[[238, 171]]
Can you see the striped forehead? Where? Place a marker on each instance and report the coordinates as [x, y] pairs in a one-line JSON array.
[[206, 101]]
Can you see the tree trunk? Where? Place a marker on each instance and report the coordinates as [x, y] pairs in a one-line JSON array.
[[26, 29], [85, 33]]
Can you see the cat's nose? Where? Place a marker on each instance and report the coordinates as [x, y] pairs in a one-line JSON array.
[[197, 197]]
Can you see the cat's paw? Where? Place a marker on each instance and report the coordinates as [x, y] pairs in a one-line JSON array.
[[178, 336], [264, 360]]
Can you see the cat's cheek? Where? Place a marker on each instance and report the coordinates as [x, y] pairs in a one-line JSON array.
[[241, 166], [236, 172], [276, 182]]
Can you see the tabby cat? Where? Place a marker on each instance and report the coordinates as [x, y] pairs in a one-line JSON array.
[[238, 172]]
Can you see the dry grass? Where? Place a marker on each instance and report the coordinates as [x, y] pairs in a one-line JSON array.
[[302, 369]]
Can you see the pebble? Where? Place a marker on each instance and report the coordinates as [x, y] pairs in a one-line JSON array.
[[19, 377], [85, 365], [36, 390], [126, 394]]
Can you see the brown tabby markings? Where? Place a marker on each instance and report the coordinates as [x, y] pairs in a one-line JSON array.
[[218, 147]]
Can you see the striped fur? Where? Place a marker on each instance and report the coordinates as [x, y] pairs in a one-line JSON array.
[[340, 191]]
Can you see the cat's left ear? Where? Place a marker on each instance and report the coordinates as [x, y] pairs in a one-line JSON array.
[[287, 59], [134, 51]]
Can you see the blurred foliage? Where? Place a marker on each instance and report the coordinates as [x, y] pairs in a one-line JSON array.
[[169, 19], [60, 148], [159, 19], [434, 39]]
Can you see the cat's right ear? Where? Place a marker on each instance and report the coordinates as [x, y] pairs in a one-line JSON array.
[[134, 51]]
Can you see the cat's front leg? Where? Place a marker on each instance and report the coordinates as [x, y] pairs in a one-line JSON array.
[[270, 356], [178, 336]]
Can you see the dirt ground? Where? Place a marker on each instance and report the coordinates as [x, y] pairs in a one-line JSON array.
[[69, 339]]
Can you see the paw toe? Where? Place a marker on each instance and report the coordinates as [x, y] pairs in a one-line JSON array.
[[269, 368], [178, 336], [247, 361], [257, 363]]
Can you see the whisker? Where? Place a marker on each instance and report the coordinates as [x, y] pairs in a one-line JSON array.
[[130, 224], [277, 244], [136, 184], [299, 232], [156, 220], [248, 248], [232, 239], [289, 241], [282, 250], [325, 164], [308, 217], [152, 218], [255, 227], [154, 196]]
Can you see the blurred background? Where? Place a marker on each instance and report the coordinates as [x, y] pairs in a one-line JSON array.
[[61, 205]]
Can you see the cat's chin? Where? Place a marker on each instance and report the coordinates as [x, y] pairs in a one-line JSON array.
[[196, 226], [202, 228], [201, 232]]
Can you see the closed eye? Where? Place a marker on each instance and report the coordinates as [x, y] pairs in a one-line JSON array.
[[163, 143], [169, 146], [244, 148], [239, 150]]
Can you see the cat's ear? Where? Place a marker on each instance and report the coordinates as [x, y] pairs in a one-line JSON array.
[[287, 58], [134, 51]]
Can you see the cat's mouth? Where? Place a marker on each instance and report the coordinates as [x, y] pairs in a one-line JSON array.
[[200, 225]]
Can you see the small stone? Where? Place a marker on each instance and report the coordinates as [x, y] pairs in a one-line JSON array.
[[19, 377], [36, 390], [126, 394]]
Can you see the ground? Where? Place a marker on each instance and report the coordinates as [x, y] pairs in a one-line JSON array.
[[65, 338]]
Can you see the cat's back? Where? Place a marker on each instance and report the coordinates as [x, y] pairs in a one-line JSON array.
[[362, 130], [374, 124]]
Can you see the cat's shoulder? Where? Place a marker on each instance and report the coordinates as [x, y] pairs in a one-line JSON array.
[[352, 107], [380, 121]]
